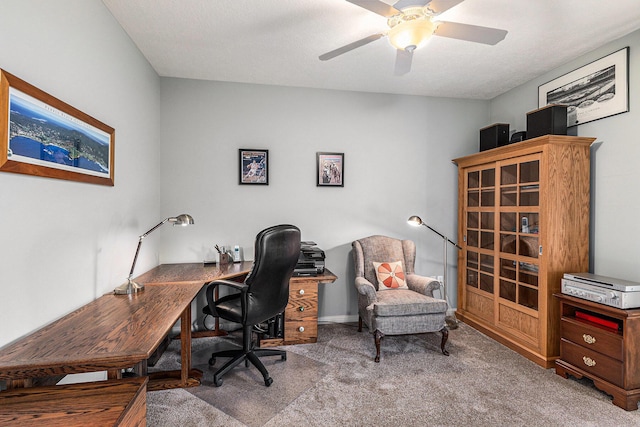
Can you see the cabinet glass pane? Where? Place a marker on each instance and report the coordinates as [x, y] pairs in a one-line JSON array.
[[508, 221], [529, 268], [472, 278], [528, 246], [509, 174], [486, 220], [486, 263], [508, 196], [508, 290], [473, 179], [528, 297], [508, 243], [529, 171], [488, 198], [473, 198], [528, 275], [530, 195], [472, 219], [472, 238], [508, 269], [488, 178], [486, 283], [529, 223], [486, 240], [472, 260]]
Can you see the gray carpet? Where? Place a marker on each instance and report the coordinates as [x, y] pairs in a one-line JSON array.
[[336, 383]]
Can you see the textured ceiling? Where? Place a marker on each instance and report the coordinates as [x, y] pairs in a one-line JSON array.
[[277, 42]]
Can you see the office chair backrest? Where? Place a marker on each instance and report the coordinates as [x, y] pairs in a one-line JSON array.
[[277, 250]]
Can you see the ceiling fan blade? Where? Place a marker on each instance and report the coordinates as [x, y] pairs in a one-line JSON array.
[[440, 6], [403, 62], [471, 33], [376, 6], [350, 46]]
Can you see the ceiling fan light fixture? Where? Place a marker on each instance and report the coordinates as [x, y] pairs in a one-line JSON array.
[[412, 34]]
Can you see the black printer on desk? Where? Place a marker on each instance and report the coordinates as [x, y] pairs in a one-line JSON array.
[[310, 261]]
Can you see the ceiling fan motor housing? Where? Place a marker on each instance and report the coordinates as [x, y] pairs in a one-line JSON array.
[[411, 28]]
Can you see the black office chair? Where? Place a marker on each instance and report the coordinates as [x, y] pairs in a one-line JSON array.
[[264, 294]]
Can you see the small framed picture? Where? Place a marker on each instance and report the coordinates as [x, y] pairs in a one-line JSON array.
[[254, 166], [330, 169]]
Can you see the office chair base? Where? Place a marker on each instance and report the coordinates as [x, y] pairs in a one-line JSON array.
[[239, 356]]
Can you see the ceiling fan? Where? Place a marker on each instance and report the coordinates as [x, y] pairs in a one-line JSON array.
[[411, 23]]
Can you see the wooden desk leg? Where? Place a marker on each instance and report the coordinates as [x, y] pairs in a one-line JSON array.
[[186, 376], [185, 341], [114, 374]]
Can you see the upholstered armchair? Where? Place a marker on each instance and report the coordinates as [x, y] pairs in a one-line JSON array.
[[392, 299]]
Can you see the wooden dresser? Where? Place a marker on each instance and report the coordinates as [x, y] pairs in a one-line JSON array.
[[301, 314], [609, 357], [523, 221]]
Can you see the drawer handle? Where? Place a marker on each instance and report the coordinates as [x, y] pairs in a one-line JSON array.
[[301, 308], [588, 361], [301, 292], [588, 339], [301, 329]]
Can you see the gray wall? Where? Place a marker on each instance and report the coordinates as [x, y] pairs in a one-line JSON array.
[[615, 154], [66, 243], [63, 243], [398, 152]]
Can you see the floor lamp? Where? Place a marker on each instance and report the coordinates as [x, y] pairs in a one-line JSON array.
[[416, 221], [131, 287]]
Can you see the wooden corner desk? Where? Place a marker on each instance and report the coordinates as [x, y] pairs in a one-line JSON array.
[[116, 332]]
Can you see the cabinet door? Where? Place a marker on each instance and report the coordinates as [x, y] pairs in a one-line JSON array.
[[519, 247], [479, 228]]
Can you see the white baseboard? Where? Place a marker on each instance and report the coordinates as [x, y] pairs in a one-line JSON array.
[[338, 319]]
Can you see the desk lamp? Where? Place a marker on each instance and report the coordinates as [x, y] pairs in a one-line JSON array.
[[416, 221], [131, 287]]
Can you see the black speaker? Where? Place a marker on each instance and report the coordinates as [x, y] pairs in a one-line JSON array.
[[518, 136], [494, 136], [549, 120]]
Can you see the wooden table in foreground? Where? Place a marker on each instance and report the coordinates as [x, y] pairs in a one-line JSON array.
[[116, 332], [97, 404]]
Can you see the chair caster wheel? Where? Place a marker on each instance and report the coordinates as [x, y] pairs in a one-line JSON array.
[[217, 382], [212, 361], [268, 381], [284, 357]]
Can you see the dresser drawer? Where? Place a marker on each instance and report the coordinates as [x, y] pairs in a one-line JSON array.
[[595, 363], [301, 314], [303, 301], [592, 337]]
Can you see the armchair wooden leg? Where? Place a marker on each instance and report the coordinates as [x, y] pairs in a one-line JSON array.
[[359, 324], [377, 336], [445, 337]]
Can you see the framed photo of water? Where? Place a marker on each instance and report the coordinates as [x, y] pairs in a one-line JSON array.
[[43, 136]]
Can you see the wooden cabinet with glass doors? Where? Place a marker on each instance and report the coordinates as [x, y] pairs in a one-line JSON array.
[[523, 221]]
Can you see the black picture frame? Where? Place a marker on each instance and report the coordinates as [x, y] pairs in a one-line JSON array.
[[253, 167], [594, 91], [329, 169]]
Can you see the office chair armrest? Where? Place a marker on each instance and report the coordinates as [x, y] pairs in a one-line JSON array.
[[421, 284], [366, 288], [229, 283]]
